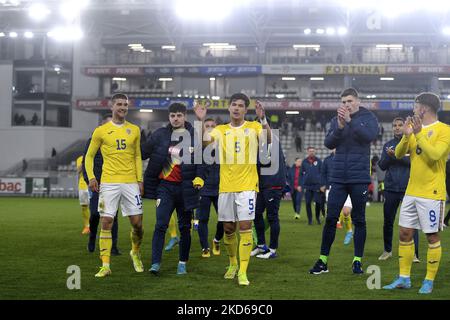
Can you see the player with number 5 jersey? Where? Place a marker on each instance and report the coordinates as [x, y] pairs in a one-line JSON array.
[[238, 144], [121, 180]]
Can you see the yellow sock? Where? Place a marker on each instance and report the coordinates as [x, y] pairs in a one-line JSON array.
[[341, 218], [136, 240], [433, 259], [85, 214], [348, 223], [231, 244], [405, 257], [105, 244], [173, 227], [245, 248]]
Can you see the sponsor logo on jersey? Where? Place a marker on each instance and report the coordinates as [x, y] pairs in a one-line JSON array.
[[418, 150]]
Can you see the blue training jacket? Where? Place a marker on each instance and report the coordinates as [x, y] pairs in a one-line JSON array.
[[397, 170], [156, 148], [326, 171], [277, 179], [310, 173], [351, 163], [98, 164]]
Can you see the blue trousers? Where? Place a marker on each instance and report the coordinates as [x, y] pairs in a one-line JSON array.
[[268, 199], [392, 201], [297, 200], [203, 213], [170, 198], [336, 199], [317, 196], [94, 220]]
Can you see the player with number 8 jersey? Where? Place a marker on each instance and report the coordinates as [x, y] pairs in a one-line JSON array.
[[427, 140], [121, 180]]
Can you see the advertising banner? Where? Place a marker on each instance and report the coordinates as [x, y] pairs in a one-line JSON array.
[[12, 186]]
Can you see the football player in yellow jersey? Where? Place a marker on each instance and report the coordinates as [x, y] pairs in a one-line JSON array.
[[427, 140], [121, 180], [83, 196], [237, 144]]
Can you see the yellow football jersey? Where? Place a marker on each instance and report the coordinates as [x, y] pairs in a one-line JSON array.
[[81, 183], [120, 146], [238, 154], [429, 151]]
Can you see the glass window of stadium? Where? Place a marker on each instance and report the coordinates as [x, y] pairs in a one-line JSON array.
[[28, 83], [56, 51], [57, 115], [58, 82], [27, 114]]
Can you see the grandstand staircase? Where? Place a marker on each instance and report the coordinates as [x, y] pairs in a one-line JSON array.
[[42, 167]]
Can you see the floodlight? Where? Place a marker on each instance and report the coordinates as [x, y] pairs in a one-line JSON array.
[[331, 31], [28, 34], [70, 33], [201, 10], [307, 31], [13, 34], [38, 11], [342, 31]]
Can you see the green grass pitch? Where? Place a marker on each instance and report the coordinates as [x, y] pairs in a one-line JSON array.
[[40, 238]]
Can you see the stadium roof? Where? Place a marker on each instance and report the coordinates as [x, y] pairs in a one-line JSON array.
[[247, 22]]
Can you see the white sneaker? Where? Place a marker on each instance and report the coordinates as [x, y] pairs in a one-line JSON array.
[[259, 250], [416, 260], [268, 255], [385, 255]]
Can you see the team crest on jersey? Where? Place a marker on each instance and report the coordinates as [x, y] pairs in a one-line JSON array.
[[128, 131], [227, 132], [246, 132], [315, 163], [158, 201], [191, 149], [418, 150], [430, 133]]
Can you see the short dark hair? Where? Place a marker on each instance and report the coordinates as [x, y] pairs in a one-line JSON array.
[[106, 116], [209, 119], [177, 107], [398, 119], [240, 96], [119, 96], [310, 147], [349, 92], [429, 99]]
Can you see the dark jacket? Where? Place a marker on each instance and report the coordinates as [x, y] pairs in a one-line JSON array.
[[351, 163], [212, 179], [291, 176], [311, 174], [279, 178], [326, 171], [156, 148], [397, 170], [98, 164]]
